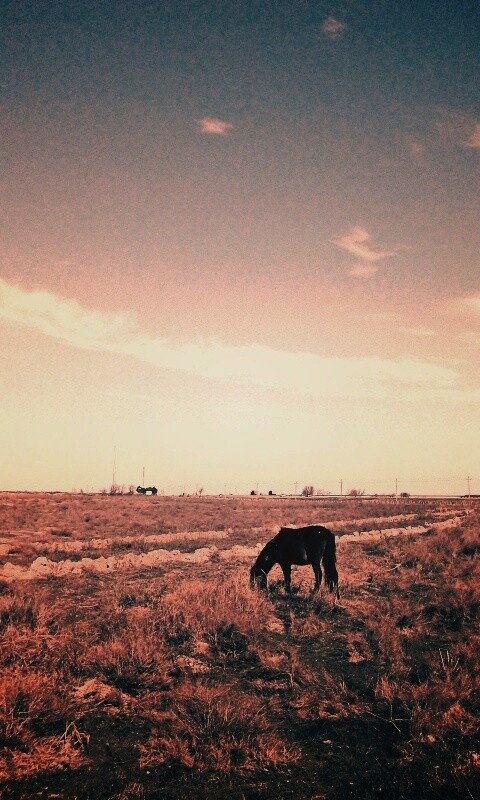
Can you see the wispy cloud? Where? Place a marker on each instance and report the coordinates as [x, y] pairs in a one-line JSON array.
[[363, 270], [470, 337], [473, 302], [415, 149], [462, 315], [419, 332], [249, 365], [64, 319], [357, 243], [334, 28], [214, 127], [470, 304], [457, 128], [474, 139]]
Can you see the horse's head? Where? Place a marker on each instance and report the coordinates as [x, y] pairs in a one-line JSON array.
[[259, 571], [258, 578]]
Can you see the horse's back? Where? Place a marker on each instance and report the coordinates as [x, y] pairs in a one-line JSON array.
[[300, 545], [311, 534]]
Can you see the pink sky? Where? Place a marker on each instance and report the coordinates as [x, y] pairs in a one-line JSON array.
[[233, 258], [381, 397]]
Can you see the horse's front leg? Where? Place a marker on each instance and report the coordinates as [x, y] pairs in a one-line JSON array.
[[318, 576], [287, 575]]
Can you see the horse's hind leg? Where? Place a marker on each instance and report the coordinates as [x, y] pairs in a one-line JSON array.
[[318, 575], [287, 575]]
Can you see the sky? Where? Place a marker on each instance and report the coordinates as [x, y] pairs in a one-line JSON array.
[[240, 245]]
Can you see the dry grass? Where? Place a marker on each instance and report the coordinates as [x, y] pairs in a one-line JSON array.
[[176, 680], [217, 728]]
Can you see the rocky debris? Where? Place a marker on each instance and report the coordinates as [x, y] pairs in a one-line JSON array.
[[42, 567], [275, 625], [192, 665], [386, 533], [240, 551], [96, 693]]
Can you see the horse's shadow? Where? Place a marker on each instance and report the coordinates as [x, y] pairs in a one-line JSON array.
[[298, 604]]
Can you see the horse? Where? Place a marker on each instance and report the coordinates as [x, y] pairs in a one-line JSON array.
[[309, 545]]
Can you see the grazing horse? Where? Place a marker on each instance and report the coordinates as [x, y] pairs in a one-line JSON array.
[[310, 545]]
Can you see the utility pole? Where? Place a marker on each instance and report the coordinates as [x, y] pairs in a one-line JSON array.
[[396, 487], [114, 481], [341, 487], [468, 484], [143, 476]]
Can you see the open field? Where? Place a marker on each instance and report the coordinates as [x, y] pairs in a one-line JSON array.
[[137, 663]]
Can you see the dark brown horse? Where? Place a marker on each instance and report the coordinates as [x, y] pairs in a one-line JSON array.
[[313, 545]]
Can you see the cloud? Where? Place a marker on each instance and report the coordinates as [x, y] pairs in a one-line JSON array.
[[214, 127], [420, 332], [457, 128], [462, 315], [63, 319], [333, 28], [384, 316], [474, 140], [470, 337], [473, 302], [357, 243], [416, 149], [363, 270], [470, 304], [252, 365]]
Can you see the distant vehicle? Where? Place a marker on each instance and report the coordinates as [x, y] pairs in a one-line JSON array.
[[147, 489]]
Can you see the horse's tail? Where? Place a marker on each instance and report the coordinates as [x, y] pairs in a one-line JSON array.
[[329, 561]]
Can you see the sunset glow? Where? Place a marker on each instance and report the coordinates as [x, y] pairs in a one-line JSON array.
[[240, 247]]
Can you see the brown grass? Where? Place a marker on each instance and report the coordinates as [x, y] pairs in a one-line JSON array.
[[186, 682]]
